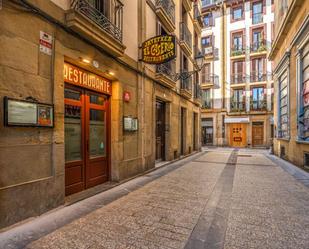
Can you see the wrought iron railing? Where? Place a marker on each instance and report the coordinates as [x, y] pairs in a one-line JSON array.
[[210, 79], [169, 7], [185, 34], [238, 78], [238, 50], [207, 103], [257, 18], [258, 105], [260, 76], [168, 69], [206, 3], [197, 91], [259, 46], [112, 27], [238, 106], [186, 83]]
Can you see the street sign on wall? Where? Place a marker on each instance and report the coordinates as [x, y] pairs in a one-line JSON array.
[[159, 49]]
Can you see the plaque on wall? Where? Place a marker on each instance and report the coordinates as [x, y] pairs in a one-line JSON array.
[[27, 113]]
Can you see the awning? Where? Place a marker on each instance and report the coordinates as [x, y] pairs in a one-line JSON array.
[[236, 120]]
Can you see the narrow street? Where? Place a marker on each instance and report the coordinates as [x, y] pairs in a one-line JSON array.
[[220, 198]]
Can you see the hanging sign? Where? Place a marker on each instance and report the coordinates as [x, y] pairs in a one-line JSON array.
[[159, 49], [83, 78]]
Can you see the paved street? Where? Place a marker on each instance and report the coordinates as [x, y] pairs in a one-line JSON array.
[[221, 198]]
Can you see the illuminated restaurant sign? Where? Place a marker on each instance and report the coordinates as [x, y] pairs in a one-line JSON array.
[[159, 49], [83, 78]]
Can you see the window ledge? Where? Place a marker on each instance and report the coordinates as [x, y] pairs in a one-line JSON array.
[[283, 139]]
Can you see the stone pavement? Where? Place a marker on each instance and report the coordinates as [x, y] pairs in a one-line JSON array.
[[223, 199]]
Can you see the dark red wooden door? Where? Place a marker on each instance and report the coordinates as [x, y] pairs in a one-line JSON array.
[[87, 139]]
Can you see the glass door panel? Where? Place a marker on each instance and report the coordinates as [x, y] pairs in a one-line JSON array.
[[97, 133]]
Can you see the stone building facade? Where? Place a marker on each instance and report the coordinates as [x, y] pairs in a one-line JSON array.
[[89, 146], [237, 84], [290, 55]]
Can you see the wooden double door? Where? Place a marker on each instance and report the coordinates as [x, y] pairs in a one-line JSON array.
[[86, 125], [238, 135]]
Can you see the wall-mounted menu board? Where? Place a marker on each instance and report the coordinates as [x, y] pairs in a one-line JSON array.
[[27, 113]]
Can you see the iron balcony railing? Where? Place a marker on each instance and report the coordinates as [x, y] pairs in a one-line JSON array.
[[207, 103], [238, 106], [260, 76], [185, 34], [238, 78], [197, 15], [186, 83], [168, 69], [206, 3], [169, 7], [257, 18], [258, 105], [210, 79], [259, 46], [112, 26], [197, 92], [238, 50]]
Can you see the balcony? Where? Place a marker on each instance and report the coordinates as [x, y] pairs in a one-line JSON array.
[[198, 19], [210, 80], [259, 47], [186, 87], [165, 72], [258, 105], [238, 106], [257, 18], [185, 39], [239, 78], [101, 27], [187, 4], [260, 77], [238, 52], [207, 104], [165, 10], [197, 94], [210, 3]]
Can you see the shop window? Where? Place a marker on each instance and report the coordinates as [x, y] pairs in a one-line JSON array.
[[283, 118]]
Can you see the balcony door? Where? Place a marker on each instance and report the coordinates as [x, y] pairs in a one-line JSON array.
[[86, 139], [101, 6], [237, 42], [238, 69], [258, 69]]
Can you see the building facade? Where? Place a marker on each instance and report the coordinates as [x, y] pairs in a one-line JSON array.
[[237, 84], [79, 109], [290, 55]]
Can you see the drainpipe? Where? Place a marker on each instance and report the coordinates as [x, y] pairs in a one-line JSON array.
[[223, 52]]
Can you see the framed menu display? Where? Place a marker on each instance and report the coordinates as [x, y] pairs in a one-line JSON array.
[[27, 113]]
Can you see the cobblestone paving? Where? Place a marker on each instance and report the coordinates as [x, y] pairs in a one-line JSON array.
[[253, 204]]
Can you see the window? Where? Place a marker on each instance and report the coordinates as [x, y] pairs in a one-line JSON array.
[[303, 65], [237, 42], [208, 20], [237, 13], [257, 73], [206, 98], [206, 73], [283, 118], [257, 12], [237, 72], [258, 99], [206, 41], [238, 100], [258, 43]]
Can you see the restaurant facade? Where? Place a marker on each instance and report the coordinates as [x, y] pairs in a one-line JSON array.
[[80, 111]]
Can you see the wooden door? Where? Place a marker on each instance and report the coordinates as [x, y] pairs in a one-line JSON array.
[[86, 139], [257, 134], [97, 107], [238, 135], [160, 130]]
